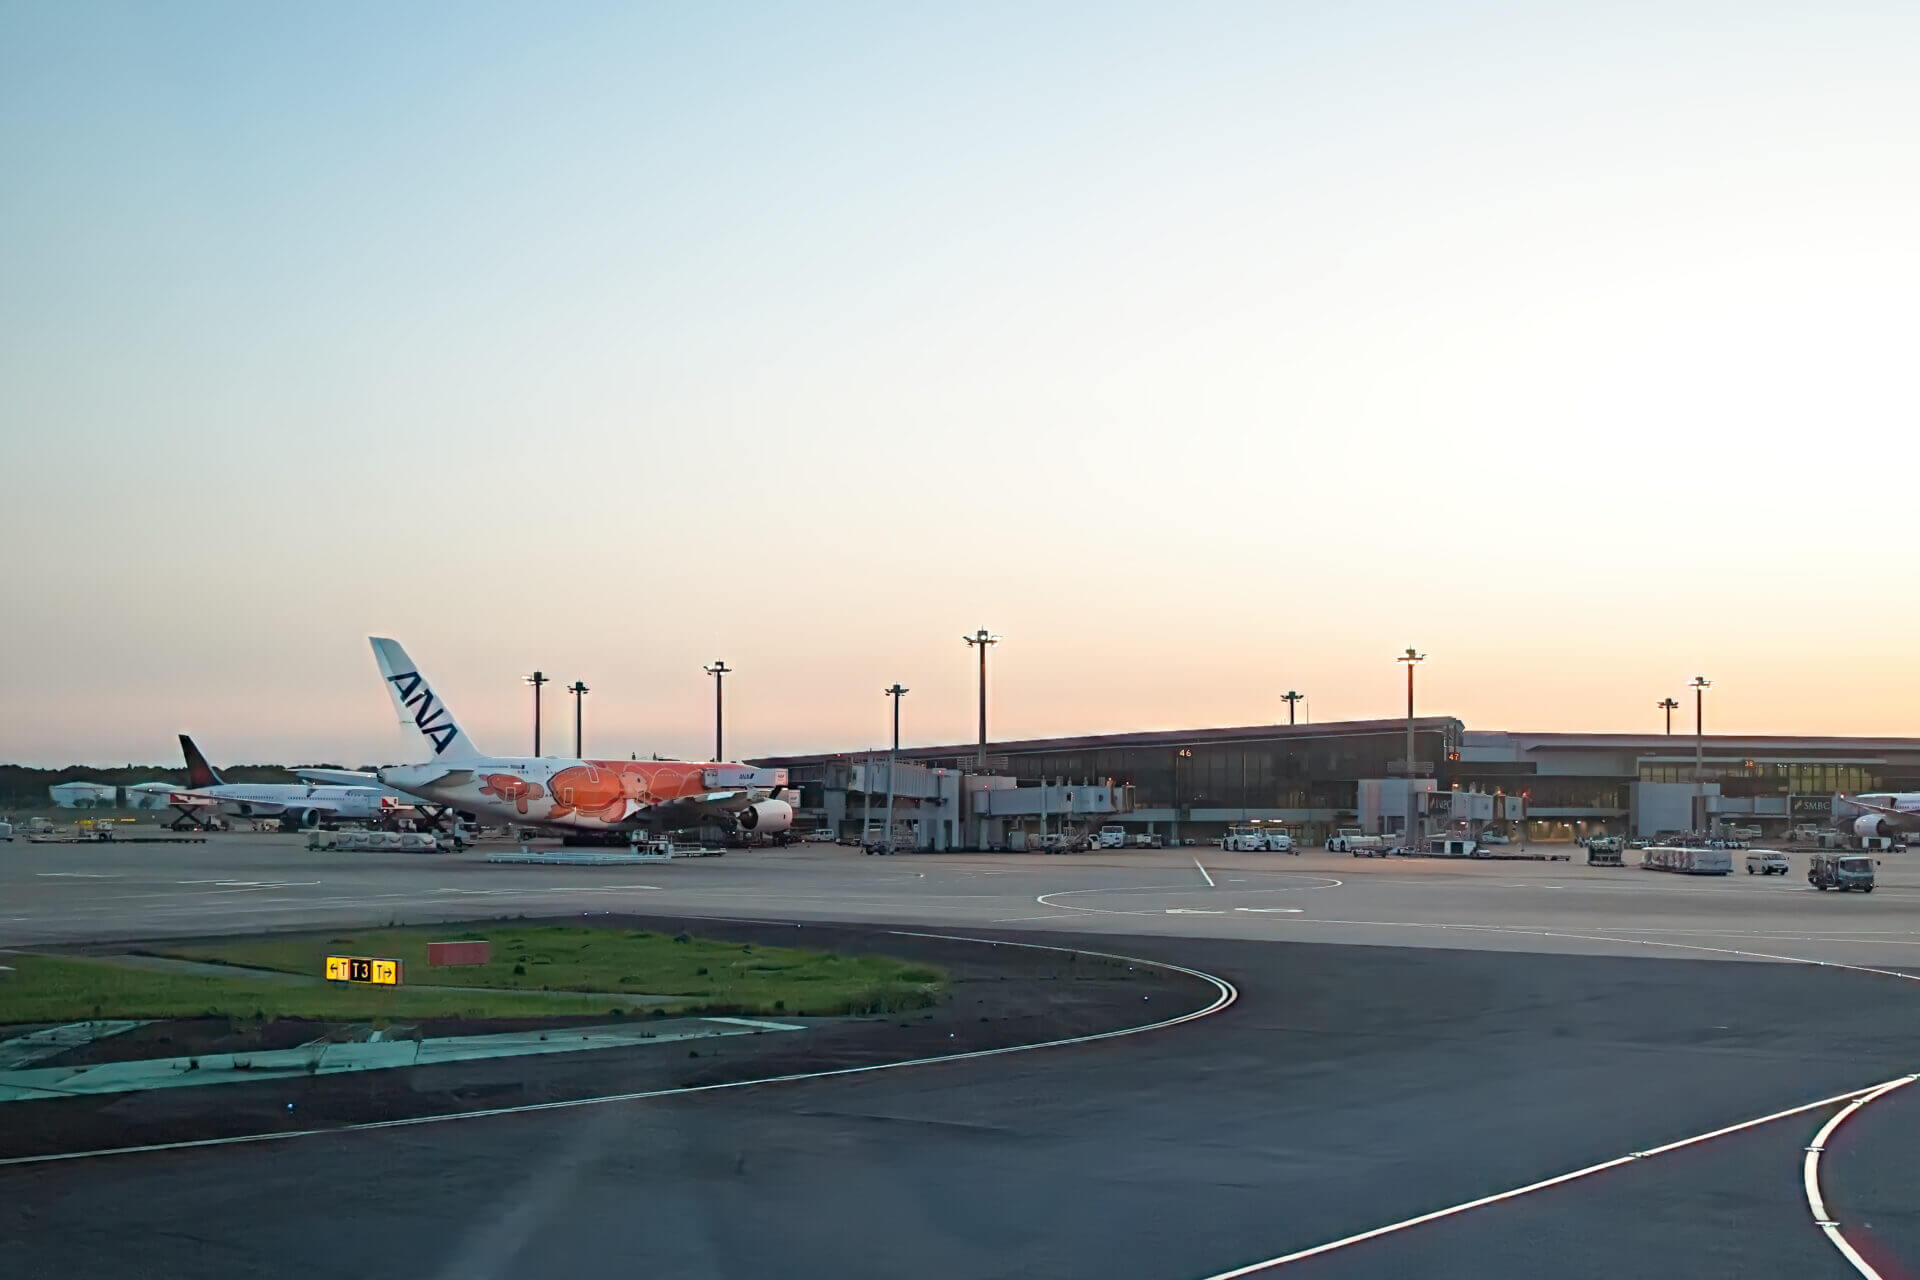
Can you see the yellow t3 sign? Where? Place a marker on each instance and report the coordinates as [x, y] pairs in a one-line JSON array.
[[381, 973]]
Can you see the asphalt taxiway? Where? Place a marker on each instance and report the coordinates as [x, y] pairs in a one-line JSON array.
[[1409, 1039]]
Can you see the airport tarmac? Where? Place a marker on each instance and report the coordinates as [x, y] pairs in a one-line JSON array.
[[239, 883], [1389, 1056]]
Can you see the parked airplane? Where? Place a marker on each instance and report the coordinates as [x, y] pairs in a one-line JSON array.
[[545, 791], [298, 805], [1880, 813]]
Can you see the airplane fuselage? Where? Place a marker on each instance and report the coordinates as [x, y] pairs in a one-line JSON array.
[[266, 799], [591, 795]]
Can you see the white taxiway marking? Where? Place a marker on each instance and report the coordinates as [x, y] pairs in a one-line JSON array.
[[1225, 994], [79, 875], [1810, 1175], [1203, 873], [1347, 1241], [1193, 911], [1046, 899], [1271, 911]]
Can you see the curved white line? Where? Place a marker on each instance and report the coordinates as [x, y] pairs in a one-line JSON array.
[[1299, 1255], [1857, 1099], [1225, 994], [1810, 1176]]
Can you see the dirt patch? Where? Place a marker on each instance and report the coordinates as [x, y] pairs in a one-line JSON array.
[[998, 996]]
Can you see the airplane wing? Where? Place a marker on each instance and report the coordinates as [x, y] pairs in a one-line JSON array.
[[1906, 816], [186, 801], [687, 810], [338, 777]]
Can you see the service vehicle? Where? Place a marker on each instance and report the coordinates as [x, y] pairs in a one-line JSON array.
[[1147, 840], [1280, 842], [1112, 836], [1876, 844], [1686, 861], [1349, 840], [1841, 871], [1252, 839], [1453, 847], [1494, 837], [1606, 852], [822, 835], [1766, 862]]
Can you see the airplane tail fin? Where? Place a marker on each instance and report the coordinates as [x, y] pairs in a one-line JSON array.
[[199, 772], [420, 710]]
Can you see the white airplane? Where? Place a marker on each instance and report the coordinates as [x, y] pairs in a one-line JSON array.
[[602, 796], [1879, 813], [298, 805]]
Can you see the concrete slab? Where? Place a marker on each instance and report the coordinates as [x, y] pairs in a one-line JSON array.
[[327, 1059], [18, 1051]]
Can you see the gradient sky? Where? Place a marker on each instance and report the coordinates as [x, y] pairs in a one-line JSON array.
[[1204, 351]]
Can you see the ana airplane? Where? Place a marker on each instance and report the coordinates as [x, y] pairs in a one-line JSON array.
[[1880, 813], [603, 796], [298, 805]]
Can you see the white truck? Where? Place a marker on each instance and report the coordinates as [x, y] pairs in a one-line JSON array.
[[1766, 862], [1113, 836]]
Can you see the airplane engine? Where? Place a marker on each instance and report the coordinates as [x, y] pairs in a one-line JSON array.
[[299, 819], [767, 817], [1871, 824]]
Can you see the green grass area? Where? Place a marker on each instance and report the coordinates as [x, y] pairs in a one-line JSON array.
[[59, 989], [704, 973]]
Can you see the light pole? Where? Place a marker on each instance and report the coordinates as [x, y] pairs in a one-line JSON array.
[[718, 671], [1668, 705], [1699, 686], [1410, 657], [579, 691], [896, 691], [981, 640], [1290, 697], [537, 679]]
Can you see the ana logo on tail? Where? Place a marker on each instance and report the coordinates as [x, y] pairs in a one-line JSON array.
[[429, 716]]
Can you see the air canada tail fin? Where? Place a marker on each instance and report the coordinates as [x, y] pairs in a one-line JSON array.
[[199, 772], [420, 710]]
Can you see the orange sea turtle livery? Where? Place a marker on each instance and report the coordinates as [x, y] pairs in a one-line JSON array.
[[507, 787], [601, 789]]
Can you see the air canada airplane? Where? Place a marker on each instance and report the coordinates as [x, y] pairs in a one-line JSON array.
[[298, 805], [603, 796]]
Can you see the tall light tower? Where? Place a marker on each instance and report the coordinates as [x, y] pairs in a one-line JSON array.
[[1411, 658], [896, 691], [579, 691], [718, 671], [1290, 697], [1699, 686], [537, 679], [1668, 705], [981, 640]]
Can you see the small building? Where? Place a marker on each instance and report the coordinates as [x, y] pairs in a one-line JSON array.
[[83, 795]]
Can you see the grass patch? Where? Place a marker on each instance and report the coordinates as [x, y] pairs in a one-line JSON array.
[[60, 989], [704, 974]]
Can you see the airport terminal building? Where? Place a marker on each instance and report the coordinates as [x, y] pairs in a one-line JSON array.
[[1317, 778]]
